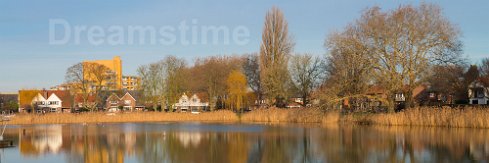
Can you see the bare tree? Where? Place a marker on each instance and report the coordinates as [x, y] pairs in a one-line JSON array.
[[151, 83], [78, 85], [349, 68], [403, 43], [484, 70], [275, 50], [209, 75], [251, 67], [307, 73], [89, 79], [448, 80], [175, 81], [163, 82]]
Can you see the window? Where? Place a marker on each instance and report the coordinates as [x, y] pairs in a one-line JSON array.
[[480, 93], [400, 97], [113, 102], [53, 102], [127, 102]]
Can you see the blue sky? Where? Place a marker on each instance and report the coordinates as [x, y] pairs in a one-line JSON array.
[[29, 61]]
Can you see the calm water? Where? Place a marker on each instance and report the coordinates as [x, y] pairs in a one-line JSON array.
[[204, 142]]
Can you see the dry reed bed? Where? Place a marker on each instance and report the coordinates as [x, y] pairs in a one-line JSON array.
[[296, 115], [432, 135], [274, 115], [446, 117], [467, 118], [99, 117]]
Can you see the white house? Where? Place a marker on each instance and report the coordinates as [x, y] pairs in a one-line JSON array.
[[193, 104], [51, 101], [478, 93]]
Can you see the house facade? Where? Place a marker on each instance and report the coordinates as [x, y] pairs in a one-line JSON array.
[[114, 103], [190, 104], [478, 93], [52, 101]]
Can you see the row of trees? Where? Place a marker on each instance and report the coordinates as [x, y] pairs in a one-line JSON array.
[[397, 50], [273, 75], [163, 82], [226, 81]]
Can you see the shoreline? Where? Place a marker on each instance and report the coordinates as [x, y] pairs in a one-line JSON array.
[[103, 117], [426, 117]]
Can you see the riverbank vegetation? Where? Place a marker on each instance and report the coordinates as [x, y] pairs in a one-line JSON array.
[[469, 117], [103, 117]]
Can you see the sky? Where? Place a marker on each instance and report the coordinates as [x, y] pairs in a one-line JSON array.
[[29, 60]]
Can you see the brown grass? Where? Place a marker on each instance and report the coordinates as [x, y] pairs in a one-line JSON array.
[[446, 117], [301, 115], [464, 118], [99, 117]]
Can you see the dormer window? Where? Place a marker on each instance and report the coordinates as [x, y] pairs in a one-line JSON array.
[[480, 93]]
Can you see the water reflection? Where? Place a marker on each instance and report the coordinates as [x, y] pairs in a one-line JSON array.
[[194, 142], [41, 139]]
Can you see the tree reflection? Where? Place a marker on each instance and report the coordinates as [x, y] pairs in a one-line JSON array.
[[276, 143]]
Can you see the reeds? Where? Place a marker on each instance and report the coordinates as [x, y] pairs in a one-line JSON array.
[[295, 115], [469, 117], [100, 117]]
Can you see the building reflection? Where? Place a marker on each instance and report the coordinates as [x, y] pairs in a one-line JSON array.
[[145, 143], [41, 139], [189, 138]]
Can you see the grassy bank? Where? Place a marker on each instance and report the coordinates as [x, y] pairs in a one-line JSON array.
[[99, 117]]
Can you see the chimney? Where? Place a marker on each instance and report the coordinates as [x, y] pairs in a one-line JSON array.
[[44, 93]]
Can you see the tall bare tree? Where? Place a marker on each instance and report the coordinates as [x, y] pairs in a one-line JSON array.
[[484, 70], [163, 82], [251, 67], [403, 43], [349, 68], [175, 81], [275, 50], [89, 79], [152, 83], [307, 73]]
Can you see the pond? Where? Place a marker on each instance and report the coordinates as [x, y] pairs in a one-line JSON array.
[[237, 142]]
